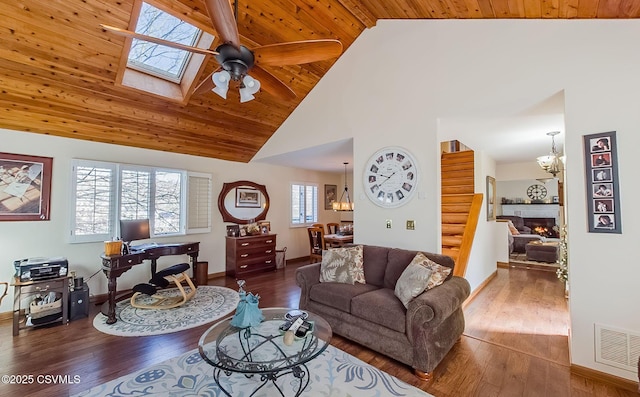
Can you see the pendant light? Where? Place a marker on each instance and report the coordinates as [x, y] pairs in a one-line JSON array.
[[344, 205]]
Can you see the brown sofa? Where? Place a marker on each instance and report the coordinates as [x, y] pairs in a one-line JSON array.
[[370, 314]]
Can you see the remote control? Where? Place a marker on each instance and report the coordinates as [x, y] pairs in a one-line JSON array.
[[296, 324]]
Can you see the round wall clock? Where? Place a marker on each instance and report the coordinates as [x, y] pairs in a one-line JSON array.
[[536, 192], [390, 177]]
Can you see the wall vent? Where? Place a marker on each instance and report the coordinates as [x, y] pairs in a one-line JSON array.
[[617, 347]]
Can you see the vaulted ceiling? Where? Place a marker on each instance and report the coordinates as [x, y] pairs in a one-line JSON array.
[[58, 67]]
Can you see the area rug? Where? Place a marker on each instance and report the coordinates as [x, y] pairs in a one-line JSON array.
[[333, 374], [517, 258], [207, 305]]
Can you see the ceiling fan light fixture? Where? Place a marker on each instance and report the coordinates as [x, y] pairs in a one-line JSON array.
[[221, 80], [249, 87]]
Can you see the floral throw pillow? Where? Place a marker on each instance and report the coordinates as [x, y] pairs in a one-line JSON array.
[[412, 281], [342, 265], [422, 274], [439, 273]]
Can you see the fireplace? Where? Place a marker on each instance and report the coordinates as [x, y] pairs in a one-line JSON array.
[[545, 227]]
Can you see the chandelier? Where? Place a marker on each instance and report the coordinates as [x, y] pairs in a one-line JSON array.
[[551, 162], [344, 205]]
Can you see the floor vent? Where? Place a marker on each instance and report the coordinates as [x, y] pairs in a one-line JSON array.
[[617, 347]]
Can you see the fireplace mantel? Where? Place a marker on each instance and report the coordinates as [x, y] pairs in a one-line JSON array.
[[533, 211]]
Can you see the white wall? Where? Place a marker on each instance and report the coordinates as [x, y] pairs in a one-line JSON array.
[[394, 82], [49, 238]]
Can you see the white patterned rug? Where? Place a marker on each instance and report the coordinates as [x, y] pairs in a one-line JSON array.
[[333, 374], [207, 305]]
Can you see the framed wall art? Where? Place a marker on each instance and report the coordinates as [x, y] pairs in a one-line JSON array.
[[247, 197], [603, 189], [25, 187], [330, 193], [491, 198]]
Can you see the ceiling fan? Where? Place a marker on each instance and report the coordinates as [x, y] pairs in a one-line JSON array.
[[236, 60]]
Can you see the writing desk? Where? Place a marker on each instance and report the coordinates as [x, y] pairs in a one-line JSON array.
[[113, 266]]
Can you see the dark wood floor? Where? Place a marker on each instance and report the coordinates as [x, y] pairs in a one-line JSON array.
[[515, 344]]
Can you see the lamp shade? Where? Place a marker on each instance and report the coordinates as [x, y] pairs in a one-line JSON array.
[[251, 86], [221, 80]]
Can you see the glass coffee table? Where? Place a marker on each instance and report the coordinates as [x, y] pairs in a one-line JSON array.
[[260, 351]]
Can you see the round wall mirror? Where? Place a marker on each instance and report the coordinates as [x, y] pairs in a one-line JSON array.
[[243, 202]]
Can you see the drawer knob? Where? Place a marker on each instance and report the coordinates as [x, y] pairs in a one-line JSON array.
[[244, 244], [267, 252], [267, 261], [244, 255], [243, 266], [269, 241]]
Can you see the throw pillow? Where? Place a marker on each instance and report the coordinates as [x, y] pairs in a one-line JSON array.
[[439, 273], [342, 265], [512, 229], [413, 280]]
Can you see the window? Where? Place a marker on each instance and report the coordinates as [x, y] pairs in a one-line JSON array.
[[161, 61], [304, 204], [103, 193], [159, 70]]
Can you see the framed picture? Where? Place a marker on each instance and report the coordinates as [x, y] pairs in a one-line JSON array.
[[330, 195], [247, 197], [265, 227], [233, 230], [603, 190], [25, 187], [491, 198]]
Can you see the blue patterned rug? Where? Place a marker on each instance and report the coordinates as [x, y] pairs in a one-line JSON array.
[[210, 303], [333, 374]]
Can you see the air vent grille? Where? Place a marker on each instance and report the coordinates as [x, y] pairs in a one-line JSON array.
[[617, 347]]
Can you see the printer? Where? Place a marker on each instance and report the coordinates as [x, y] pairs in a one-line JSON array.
[[32, 269]]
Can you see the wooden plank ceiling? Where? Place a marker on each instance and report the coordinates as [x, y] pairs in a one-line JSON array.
[[58, 67]]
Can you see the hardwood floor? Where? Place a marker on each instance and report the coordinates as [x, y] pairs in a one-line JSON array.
[[515, 344]]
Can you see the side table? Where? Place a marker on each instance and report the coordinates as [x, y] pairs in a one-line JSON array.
[[23, 289]]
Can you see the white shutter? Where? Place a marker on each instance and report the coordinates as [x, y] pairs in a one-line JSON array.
[[199, 203]]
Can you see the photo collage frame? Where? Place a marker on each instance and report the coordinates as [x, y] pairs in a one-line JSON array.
[[603, 190]]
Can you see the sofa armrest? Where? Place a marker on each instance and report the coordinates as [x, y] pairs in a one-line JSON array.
[[525, 230], [433, 306], [306, 277]]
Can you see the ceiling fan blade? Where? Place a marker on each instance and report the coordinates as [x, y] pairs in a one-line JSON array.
[[205, 85], [223, 21], [129, 33], [272, 84], [297, 52]]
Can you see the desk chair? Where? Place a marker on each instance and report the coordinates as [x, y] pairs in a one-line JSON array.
[[316, 244], [6, 288], [176, 274]]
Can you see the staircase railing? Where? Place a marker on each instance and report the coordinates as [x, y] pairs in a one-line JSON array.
[[468, 235]]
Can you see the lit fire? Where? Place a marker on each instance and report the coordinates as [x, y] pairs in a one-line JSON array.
[[541, 230]]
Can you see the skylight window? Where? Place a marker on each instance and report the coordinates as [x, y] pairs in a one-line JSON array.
[[161, 61]]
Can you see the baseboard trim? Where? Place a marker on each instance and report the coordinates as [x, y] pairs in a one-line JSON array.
[[612, 380], [476, 291], [503, 265]]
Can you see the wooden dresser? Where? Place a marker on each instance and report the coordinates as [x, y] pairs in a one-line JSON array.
[[250, 254]]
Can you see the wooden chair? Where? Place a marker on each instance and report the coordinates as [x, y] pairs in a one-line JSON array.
[[316, 244], [320, 225], [332, 228], [6, 288]]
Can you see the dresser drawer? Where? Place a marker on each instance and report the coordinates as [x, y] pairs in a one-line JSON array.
[[253, 242], [256, 263], [253, 252]]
